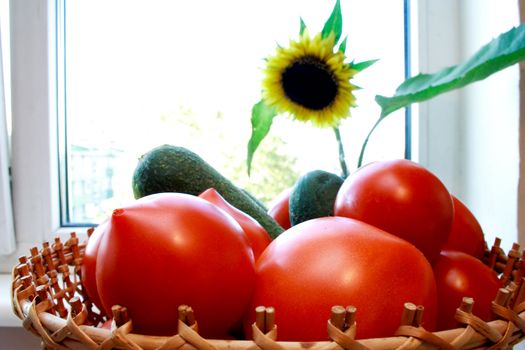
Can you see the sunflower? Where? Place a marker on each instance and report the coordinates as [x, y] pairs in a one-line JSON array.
[[309, 81]]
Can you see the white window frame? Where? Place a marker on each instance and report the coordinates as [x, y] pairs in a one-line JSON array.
[[474, 153], [35, 162]]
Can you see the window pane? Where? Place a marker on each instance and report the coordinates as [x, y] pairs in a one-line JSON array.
[[143, 73]]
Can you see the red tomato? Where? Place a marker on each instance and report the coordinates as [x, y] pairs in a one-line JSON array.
[[402, 198], [89, 265], [466, 234], [461, 275], [257, 235], [331, 261], [279, 208], [169, 249]]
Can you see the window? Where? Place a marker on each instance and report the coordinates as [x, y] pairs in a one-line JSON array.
[[468, 139], [187, 73]]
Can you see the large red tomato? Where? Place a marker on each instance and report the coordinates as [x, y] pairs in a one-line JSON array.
[[466, 234], [461, 275], [331, 261], [402, 198], [89, 265], [169, 249], [257, 235], [279, 208]]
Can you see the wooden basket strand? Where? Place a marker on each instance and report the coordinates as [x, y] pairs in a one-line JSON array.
[[48, 296]]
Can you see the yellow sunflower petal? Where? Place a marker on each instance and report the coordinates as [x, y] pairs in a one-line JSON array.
[[302, 100]]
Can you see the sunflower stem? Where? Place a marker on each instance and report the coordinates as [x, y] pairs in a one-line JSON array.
[[363, 147], [342, 161]]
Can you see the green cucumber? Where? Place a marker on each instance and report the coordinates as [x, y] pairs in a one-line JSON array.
[[169, 168], [313, 196]]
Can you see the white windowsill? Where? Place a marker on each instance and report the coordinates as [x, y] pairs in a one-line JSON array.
[[7, 316]]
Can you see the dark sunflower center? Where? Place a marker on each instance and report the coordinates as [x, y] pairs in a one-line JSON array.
[[309, 83]]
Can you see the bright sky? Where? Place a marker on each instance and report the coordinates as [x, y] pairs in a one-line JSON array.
[[130, 62]]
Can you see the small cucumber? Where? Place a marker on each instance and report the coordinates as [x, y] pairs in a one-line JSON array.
[[313, 196], [169, 168]]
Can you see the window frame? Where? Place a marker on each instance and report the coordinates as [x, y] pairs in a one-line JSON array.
[[34, 166], [482, 172]]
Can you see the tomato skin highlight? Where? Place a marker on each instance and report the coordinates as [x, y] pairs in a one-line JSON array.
[[279, 208], [402, 198], [256, 234], [461, 275], [466, 234], [169, 249], [331, 261]]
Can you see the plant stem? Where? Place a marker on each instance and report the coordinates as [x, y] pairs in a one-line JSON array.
[[342, 161], [362, 153]]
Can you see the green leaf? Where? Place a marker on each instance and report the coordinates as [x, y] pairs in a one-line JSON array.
[[262, 117], [334, 23], [302, 26], [502, 52], [342, 47], [363, 65]]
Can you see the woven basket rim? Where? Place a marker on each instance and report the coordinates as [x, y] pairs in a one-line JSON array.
[[64, 318]]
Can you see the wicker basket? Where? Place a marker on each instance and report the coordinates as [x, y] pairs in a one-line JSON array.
[[48, 296]]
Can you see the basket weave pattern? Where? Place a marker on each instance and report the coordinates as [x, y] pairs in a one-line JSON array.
[[48, 296]]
